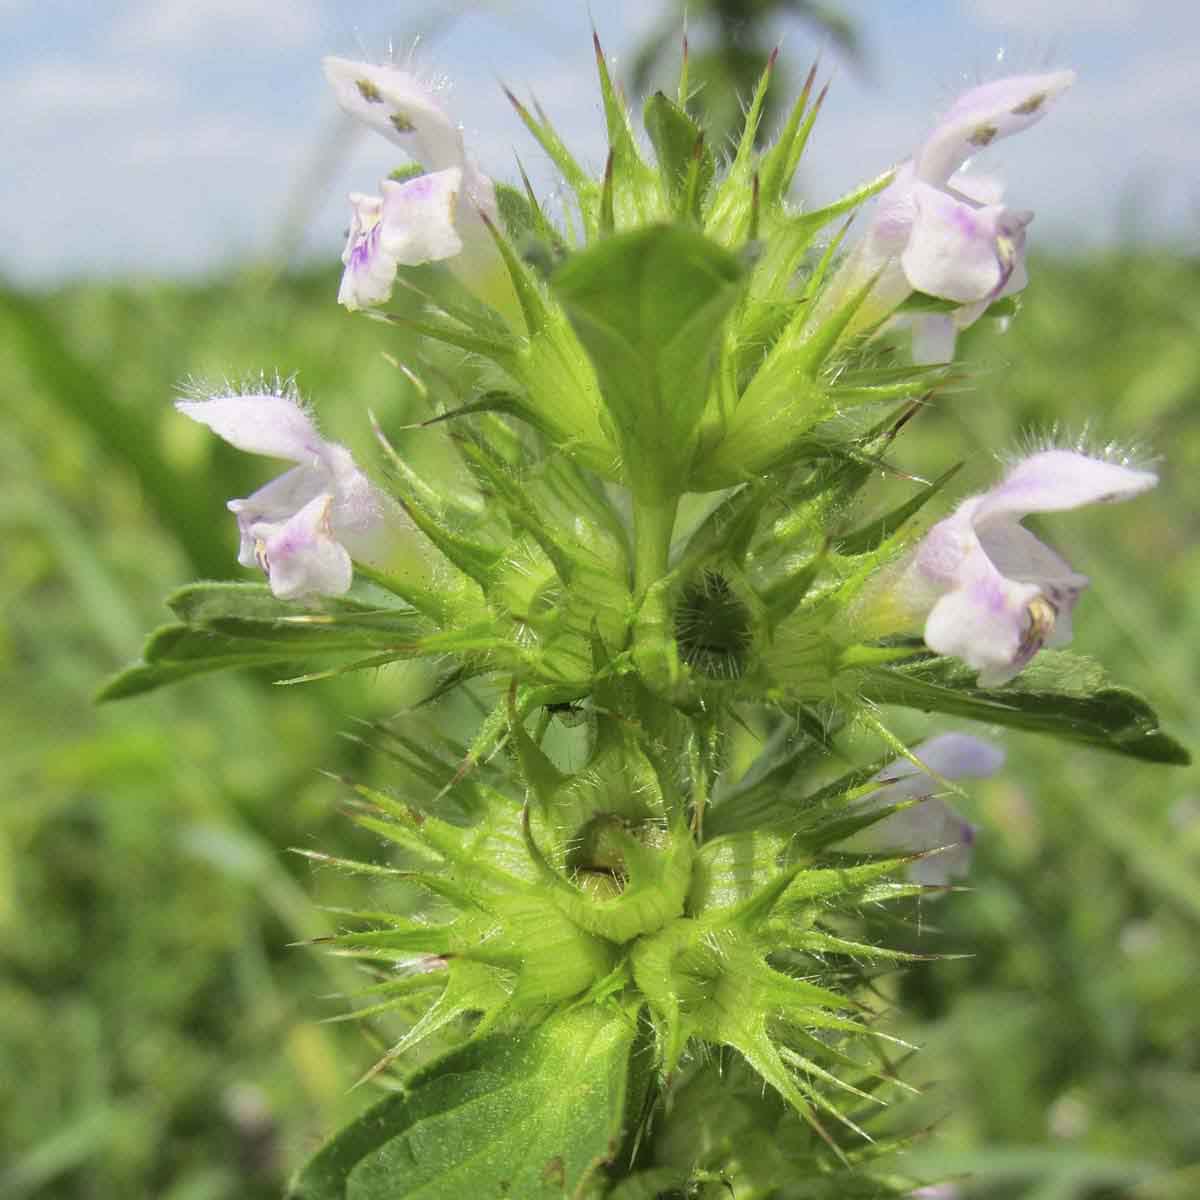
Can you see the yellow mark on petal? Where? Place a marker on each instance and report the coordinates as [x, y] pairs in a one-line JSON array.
[[1041, 626], [1031, 105], [983, 135], [368, 91], [401, 123], [326, 522], [1006, 250]]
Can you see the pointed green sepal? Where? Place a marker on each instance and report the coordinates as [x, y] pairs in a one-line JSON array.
[[787, 398], [778, 166], [871, 536], [685, 162], [577, 178]]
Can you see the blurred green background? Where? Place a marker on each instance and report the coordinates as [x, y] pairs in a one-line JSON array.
[[160, 1035]]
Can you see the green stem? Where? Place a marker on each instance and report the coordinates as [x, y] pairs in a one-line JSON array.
[[873, 656], [653, 525]]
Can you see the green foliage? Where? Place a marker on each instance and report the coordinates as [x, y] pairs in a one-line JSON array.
[[1060, 694], [533, 1114], [648, 307], [226, 625]]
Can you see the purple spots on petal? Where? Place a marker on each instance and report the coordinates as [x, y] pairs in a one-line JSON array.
[[420, 188], [964, 220], [364, 249], [988, 594]]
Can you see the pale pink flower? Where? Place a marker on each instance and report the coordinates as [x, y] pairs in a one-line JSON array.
[[989, 591], [441, 215], [944, 232], [305, 527]]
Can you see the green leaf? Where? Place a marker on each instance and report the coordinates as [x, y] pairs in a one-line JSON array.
[[1062, 695], [250, 610], [529, 1115], [177, 652], [648, 307], [226, 625]]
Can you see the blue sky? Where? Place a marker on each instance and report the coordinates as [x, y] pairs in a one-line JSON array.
[[166, 136]]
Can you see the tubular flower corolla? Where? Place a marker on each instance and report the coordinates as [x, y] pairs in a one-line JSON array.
[[303, 528], [411, 223], [992, 594], [441, 215], [943, 232]]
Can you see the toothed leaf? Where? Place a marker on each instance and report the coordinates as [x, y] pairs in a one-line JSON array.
[[1058, 694]]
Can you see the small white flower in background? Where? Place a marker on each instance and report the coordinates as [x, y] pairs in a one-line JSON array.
[[944, 232], [932, 823], [304, 528], [411, 223], [412, 217], [990, 592]]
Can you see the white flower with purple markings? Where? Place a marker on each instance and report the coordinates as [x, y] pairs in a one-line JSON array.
[[438, 216], [931, 824], [991, 593], [411, 223], [305, 528], [943, 231]]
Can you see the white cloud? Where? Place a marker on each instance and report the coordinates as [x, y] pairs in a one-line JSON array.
[[237, 24], [1054, 16], [221, 142], [55, 89]]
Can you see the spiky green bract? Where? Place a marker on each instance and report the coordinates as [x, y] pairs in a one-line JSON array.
[[559, 891], [722, 1135]]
